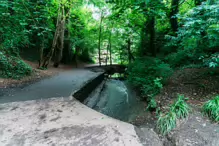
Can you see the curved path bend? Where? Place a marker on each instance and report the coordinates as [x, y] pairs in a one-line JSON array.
[[61, 85], [61, 121]]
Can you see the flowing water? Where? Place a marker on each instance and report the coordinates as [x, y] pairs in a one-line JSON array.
[[116, 99]]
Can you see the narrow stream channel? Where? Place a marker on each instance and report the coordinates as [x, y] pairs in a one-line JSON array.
[[116, 99]]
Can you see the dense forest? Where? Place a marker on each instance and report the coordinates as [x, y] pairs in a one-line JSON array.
[[154, 38]]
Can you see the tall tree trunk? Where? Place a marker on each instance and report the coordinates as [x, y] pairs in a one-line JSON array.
[[67, 50], [11, 7], [48, 57], [107, 53], [151, 27], [130, 56], [144, 37], [100, 31], [110, 46], [173, 12], [77, 50], [60, 43], [59, 46], [58, 40], [41, 52]]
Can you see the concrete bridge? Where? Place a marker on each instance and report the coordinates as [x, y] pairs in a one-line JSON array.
[[109, 69]]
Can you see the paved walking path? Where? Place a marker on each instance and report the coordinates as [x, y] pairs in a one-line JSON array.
[[61, 85]]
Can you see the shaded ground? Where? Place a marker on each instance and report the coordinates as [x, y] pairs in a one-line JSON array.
[[199, 85]]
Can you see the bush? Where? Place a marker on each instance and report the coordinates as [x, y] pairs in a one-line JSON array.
[[13, 67], [211, 109], [148, 75], [183, 57], [178, 110], [199, 36], [211, 61], [152, 104]]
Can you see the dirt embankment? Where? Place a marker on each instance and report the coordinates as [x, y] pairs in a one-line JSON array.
[[199, 85]]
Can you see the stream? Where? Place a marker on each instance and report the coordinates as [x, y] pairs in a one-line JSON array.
[[116, 99]]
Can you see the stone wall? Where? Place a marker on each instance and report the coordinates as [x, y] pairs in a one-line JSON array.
[[85, 90]]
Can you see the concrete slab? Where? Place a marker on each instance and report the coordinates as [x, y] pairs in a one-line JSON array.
[[61, 121]]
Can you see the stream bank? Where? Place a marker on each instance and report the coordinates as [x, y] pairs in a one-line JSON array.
[[117, 99]]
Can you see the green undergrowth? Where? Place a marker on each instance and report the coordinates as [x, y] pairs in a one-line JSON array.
[[12, 66], [148, 75], [193, 66], [211, 109], [152, 105], [178, 110]]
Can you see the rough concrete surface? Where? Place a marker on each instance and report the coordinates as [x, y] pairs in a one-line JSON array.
[[62, 121], [148, 137], [196, 131]]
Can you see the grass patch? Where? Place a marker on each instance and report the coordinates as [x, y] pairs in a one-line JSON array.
[[211, 109], [178, 110], [166, 122], [180, 107]]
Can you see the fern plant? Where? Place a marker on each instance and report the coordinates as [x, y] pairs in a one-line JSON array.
[[211, 109]]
